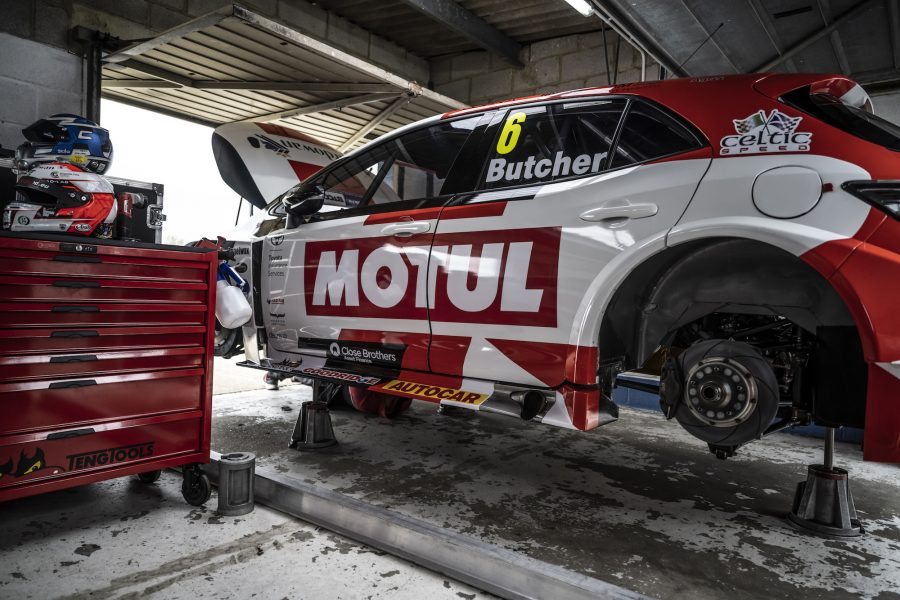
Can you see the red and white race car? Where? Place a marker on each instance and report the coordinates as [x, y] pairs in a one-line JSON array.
[[735, 238]]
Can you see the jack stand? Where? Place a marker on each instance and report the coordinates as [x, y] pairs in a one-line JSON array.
[[313, 428], [823, 503]]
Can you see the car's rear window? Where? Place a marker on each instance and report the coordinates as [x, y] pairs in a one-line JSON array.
[[648, 133], [855, 121]]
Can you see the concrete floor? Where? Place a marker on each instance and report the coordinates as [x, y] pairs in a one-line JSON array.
[[638, 503], [124, 539], [230, 378]]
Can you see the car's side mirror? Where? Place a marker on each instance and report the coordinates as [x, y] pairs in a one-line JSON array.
[[304, 203]]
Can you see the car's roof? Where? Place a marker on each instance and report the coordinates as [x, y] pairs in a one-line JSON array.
[[701, 89]]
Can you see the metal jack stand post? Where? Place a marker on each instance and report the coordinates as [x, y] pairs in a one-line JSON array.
[[313, 428], [823, 503]]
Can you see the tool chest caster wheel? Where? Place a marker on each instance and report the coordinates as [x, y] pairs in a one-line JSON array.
[[150, 476], [195, 488]]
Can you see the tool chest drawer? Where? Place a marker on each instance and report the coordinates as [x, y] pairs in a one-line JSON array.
[[31, 262], [52, 254], [31, 341], [47, 404], [28, 460], [85, 290], [49, 366], [37, 314]]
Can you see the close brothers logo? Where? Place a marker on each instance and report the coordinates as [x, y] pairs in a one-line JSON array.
[[502, 277], [759, 134], [367, 353]]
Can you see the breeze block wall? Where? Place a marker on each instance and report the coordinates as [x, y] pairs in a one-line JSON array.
[[38, 74], [551, 65]]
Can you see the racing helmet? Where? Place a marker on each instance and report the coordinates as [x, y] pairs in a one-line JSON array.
[[65, 138], [62, 198]]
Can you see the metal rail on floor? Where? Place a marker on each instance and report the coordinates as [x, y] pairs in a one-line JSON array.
[[485, 566]]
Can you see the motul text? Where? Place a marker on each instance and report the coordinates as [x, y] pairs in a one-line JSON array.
[[503, 277]]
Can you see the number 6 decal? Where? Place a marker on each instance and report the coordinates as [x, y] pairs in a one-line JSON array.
[[509, 137]]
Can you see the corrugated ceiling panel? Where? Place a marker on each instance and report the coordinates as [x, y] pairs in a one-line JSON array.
[[235, 50]]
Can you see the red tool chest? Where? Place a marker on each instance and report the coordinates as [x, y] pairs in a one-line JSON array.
[[105, 361]]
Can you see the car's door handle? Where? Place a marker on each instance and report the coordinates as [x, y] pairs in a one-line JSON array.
[[406, 228], [620, 210]]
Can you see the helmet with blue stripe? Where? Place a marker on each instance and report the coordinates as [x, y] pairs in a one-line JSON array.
[[65, 138]]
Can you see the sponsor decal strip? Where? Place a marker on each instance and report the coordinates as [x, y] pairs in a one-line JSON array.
[[286, 365], [504, 277], [339, 375], [432, 393], [762, 134]]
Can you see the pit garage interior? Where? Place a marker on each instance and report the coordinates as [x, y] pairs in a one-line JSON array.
[[433, 502]]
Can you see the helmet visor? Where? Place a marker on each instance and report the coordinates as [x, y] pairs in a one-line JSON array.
[[45, 131]]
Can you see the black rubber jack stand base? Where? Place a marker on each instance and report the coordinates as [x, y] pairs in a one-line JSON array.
[[313, 428], [824, 505]]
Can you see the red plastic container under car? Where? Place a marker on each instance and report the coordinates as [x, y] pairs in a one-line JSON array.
[[106, 354]]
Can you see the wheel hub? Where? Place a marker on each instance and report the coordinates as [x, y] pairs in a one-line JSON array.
[[720, 391]]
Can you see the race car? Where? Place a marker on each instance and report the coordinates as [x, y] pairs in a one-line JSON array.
[[732, 242]]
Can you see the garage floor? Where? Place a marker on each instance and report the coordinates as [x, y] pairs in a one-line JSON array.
[[124, 539], [638, 503]]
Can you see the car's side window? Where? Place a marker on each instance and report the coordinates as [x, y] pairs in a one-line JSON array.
[[348, 183], [649, 133], [409, 167], [558, 141]]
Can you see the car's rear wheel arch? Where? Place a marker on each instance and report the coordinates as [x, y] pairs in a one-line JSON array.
[[687, 281]]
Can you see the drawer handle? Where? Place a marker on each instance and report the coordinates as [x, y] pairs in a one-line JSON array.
[[62, 385], [72, 359], [73, 334], [70, 434], [77, 248], [76, 284], [76, 259], [75, 309]]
